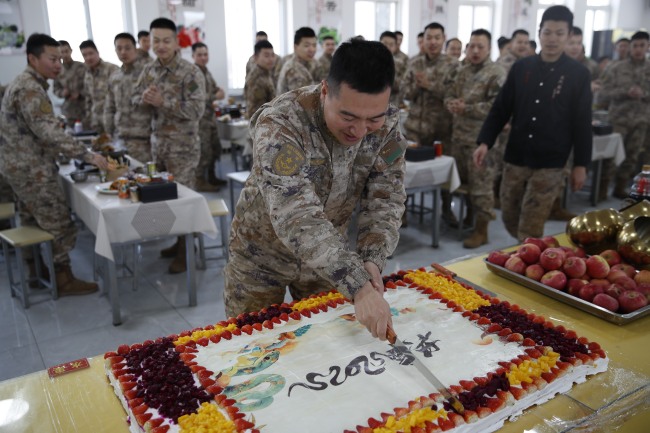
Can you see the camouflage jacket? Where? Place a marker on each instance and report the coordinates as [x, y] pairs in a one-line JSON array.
[[120, 115], [304, 187], [426, 111], [277, 67], [295, 74], [324, 63], [183, 88], [478, 86], [72, 78], [507, 60], [401, 64], [617, 81], [96, 87], [259, 89], [210, 94], [592, 66], [142, 54], [30, 135]]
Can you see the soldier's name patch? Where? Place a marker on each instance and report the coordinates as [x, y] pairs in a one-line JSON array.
[[45, 107], [193, 86], [288, 160], [391, 152]]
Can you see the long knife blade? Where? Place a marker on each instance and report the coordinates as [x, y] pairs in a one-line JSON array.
[[419, 365]]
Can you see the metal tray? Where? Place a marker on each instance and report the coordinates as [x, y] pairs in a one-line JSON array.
[[619, 319]]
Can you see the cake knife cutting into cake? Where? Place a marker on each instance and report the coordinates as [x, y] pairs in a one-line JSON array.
[[397, 343]]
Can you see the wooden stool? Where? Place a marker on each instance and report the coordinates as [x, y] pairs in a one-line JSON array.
[[20, 238], [218, 209], [462, 192]]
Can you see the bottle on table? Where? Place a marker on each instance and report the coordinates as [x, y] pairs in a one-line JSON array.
[[641, 185]]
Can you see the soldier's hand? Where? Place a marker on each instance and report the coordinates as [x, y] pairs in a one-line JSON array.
[[152, 96], [220, 94], [375, 276], [479, 155], [372, 311], [578, 176], [99, 161]]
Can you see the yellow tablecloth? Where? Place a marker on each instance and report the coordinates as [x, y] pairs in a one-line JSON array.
[[83, 401]]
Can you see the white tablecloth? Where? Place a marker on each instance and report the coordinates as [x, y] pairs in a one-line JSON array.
[[608, 146], [439, 171]]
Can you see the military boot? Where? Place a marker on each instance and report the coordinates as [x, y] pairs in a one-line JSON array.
[[68, 285], [169, 252], [179, 264], [480, 234], [202, 185]]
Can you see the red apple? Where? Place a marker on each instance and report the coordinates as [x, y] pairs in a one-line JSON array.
[[568, 252], [498, 257], [551, 242], [574, 267], [551, 259], [606, 301], [574, 285], [580, 252], [642, 277], [600, 282], [626, 283], [644, 290], [614, 274], [515, 264], [597, 267], [614, 291], [536, 241], [535, 272], [632, 301], [611, 256], [588, 291], [529, 253], [555, 279], [628, 269]]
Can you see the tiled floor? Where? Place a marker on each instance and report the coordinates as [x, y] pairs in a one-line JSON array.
[[52, 332]]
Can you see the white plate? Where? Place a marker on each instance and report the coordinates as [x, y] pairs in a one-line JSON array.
[[106, 190]]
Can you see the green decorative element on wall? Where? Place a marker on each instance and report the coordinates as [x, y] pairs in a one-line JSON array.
[[327, 31]]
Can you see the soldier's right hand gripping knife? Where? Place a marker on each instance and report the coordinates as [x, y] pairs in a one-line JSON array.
[[395, 342]]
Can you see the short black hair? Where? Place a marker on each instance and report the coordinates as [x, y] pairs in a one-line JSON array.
[[640, 35], [388, 34], [421, 35], [259, 46], [163, 23], [450, 40], [519, 32], [532, 44], [557, 13], [622, 40], [502, 42], [64, 42], [303, 32], [327, 38], [576, 31], [434, 26], [142, 34], [365, 66], [261, 33], [397, 32], [128, 36], [37, 42], [482, 32], [88, 44], [197, 45]]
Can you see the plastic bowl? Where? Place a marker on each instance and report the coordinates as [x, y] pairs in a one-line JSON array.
[[79, 176]]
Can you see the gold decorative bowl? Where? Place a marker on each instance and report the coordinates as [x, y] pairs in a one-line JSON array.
[[595, 231], [634, 241], [636, 210]]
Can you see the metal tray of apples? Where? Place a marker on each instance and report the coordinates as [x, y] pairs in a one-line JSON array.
[[619, 319]]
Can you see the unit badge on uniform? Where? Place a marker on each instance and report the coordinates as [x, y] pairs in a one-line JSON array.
[[391, 152], [288, 161], [46, 107]]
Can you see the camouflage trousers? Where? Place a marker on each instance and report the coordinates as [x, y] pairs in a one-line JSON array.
[[633, 140], [253, 285], [43, 204], [139, 148], [210, 145], [644, 158], [527, 195], [179, 155], [479, 181]]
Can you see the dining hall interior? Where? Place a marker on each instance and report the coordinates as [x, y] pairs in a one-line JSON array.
[[116, 247]]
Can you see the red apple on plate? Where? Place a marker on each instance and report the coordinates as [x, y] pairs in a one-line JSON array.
[[628, 269], [580, 252], [606, 301], [574, 285], [574, 267], [568, 251], [555, 279], [631, 301], [516, 264], [597, 267], [535, 271], [600, 282], [626, 282], [589, 291], [540, 243], [614, 290], [643, 277], [614, 274], [498, 257], [551, 242], [612, 257], [644, 290], [529, 253], [551, 259]]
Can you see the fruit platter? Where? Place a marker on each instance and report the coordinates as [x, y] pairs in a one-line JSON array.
[[600, 284]]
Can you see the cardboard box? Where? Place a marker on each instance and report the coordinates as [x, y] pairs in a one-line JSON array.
[[157, 191]]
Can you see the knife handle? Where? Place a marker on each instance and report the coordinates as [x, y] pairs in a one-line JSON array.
[[390, 335]]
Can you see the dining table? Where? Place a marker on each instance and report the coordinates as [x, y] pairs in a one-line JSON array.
[[116, 222]]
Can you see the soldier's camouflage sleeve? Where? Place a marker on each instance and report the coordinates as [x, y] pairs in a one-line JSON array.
[[110, 107], [58, 88], [382, 203], [480, 110], [88, 91], [408, 86], [141, 84], [613, 88], [189, 103], [295, 210]]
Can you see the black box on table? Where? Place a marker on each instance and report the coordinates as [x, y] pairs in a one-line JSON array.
[[157, 191]]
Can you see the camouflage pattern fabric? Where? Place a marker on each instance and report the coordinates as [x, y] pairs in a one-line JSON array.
[[95, 89], [324, 63], [401, 64], [208, 133], [506, 61], [259, 89], [72, 78], [291, 221], [295, 73]]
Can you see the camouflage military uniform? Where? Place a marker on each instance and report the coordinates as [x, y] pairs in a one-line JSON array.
[[6, 193], [428, 120], [295, 74], [72, 78], [175, 125], [259, 89], [402, 57], [95, 88], [208, 133], [30, 139], [400, 70], [506, 61], [277, 66], [144, 55], [592, 66], [324, 63], [629, 117], [290, 224], [478, 86]]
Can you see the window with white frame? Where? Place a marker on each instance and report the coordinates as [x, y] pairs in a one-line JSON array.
[[472, 15], [542, 6], [245, 19], [99, 20], [597, 18], [373, 17]]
